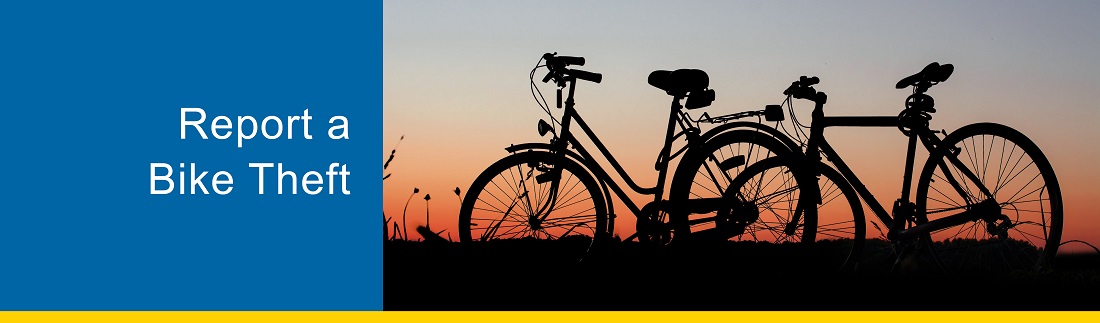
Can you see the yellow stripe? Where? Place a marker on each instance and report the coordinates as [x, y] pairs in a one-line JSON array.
[[554, 317]]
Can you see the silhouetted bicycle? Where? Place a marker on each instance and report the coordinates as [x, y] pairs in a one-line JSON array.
[[558, 189], [987, 198]]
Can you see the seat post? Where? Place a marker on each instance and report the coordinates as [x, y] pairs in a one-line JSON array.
[[666, 150]]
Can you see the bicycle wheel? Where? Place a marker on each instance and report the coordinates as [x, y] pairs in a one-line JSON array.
[[1025, 234], [759, 197], [532, 195], [706, 173], [772, 193]]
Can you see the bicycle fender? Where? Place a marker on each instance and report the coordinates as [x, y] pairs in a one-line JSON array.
[[576, 158], [542, 146]]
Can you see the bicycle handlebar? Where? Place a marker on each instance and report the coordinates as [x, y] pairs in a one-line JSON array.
[[803, 89], [808, 81], [570, 60], [552, 59], [557, 66], [803, 93], [585, 75]]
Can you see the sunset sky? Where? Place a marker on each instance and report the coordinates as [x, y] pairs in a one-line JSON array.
[[456, 82]]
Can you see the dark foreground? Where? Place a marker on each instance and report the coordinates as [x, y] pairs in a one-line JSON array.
[[560, 275]]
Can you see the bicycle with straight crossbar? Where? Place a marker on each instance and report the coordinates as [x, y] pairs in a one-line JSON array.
[[987, 198]]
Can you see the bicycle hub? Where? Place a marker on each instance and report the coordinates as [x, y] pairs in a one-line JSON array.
[[736, 213]]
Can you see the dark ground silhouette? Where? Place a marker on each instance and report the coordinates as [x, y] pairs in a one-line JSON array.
[[548, 275]]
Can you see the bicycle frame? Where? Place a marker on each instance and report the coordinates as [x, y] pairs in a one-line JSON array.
[[903, 207], [566, 138]]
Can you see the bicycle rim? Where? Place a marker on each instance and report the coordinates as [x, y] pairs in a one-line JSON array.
[[1018, 176], [533, 195]]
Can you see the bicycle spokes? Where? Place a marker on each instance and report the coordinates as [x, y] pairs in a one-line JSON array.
[[1005, 181], [527, 195]]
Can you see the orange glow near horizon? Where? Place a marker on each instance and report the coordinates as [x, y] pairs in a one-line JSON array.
[[881, 173], [456, 85]]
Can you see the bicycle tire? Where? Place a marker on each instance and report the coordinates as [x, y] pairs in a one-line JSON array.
[[838, 227], [497, 197], [1026, 237], [708, 170]]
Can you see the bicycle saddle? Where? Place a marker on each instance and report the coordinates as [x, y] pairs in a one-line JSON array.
[[680, 82], [933, 73]]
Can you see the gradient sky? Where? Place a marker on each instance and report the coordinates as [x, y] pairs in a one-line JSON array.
[[456, 81]]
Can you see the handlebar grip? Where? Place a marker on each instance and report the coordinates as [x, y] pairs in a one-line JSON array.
[[586, 75], [571, 60], [808, 81]]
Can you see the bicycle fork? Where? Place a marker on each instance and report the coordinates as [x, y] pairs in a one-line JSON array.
[[810, 197]]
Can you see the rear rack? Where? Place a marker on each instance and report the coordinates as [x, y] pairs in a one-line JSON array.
[[771, 113]]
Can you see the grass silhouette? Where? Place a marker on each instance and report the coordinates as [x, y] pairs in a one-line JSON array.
[[401, 232], [529, 274]]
